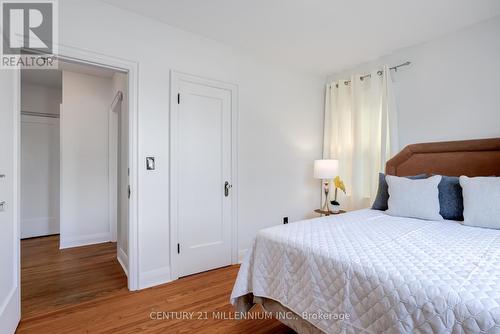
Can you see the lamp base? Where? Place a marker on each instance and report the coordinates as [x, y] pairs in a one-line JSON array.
[[326, 187]]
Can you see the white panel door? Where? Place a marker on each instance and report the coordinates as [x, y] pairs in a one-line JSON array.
[[10, 311], [203, 166]]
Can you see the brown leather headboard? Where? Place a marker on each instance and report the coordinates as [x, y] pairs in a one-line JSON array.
[[453, 158]]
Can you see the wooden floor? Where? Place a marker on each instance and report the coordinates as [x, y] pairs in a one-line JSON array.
[[83, 290]]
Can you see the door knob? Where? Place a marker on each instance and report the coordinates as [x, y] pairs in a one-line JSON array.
[[2, 206], [227, 186]]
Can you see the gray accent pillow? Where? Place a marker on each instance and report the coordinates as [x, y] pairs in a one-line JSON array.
[[450, 198], [380, 202]]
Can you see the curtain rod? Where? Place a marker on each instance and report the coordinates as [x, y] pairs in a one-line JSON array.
[[379, 72], [39, 114]]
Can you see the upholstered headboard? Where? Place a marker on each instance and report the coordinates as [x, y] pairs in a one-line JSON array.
[[454, 158]]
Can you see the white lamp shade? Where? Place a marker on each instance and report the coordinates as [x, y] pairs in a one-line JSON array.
[[326, 169]]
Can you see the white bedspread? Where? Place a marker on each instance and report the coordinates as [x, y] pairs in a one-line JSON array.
[[387, 274]]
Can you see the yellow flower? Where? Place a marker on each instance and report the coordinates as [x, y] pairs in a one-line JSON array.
[[339, 183]]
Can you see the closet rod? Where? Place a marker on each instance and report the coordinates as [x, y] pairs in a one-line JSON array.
[[39, 114], [379, 72]]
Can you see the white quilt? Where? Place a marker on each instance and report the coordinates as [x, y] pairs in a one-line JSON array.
[[387, 274]]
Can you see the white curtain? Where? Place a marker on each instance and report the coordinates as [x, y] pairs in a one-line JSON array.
[[361, 132]]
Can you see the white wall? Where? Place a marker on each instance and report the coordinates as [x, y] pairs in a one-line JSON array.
[[280, 121], [451, 89], [39, 176], [85, 192], [39, 161]]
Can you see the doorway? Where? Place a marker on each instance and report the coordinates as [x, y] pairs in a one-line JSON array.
[[203, 178], [10, 83], [74, 185]]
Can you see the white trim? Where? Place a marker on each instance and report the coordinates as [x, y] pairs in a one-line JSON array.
[[154, 277], [9, 321], [175, 77], [131, 68], [10, 310], [17, 193], [122, 258], [61, 167], [85, 240], [113, 174], [234, 171], [7, 300], [241, 255]]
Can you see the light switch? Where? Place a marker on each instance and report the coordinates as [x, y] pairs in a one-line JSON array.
[[150, 163]]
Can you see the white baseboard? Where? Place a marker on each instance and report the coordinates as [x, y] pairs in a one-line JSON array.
[[37, 227], [10, 312], [154, 277], [68, 242], [123, 260], [241, 255]]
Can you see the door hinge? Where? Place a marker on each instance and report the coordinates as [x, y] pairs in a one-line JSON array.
[[179, 98], [128, 191], [178, 248]]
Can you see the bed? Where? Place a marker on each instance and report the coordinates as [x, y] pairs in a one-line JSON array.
[[365, 271]]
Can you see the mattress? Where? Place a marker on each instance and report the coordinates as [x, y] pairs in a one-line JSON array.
[[365, 271]]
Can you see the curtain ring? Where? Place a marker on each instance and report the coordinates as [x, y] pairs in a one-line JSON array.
[[380, 72], [346, 83]]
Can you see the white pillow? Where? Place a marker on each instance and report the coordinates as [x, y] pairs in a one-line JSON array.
[[481, 201], [414, 198]]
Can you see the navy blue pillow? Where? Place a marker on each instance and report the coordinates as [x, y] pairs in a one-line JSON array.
[[380, 202], [451, 201]]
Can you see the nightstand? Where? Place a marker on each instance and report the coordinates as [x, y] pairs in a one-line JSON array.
[[328, 213]]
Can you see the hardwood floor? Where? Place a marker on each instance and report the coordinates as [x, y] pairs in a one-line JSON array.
[[52, 279], [83, 290]]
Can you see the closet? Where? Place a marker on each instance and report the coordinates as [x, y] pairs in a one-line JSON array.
[[40, 110], [74, 155]]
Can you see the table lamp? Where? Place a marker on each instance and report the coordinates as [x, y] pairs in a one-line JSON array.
[[325, 170]]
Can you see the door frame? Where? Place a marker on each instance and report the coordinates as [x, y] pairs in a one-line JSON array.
[[13, 298], [130, 67], [175, 78]]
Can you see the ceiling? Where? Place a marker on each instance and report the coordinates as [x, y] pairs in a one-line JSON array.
[[323, 36]]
